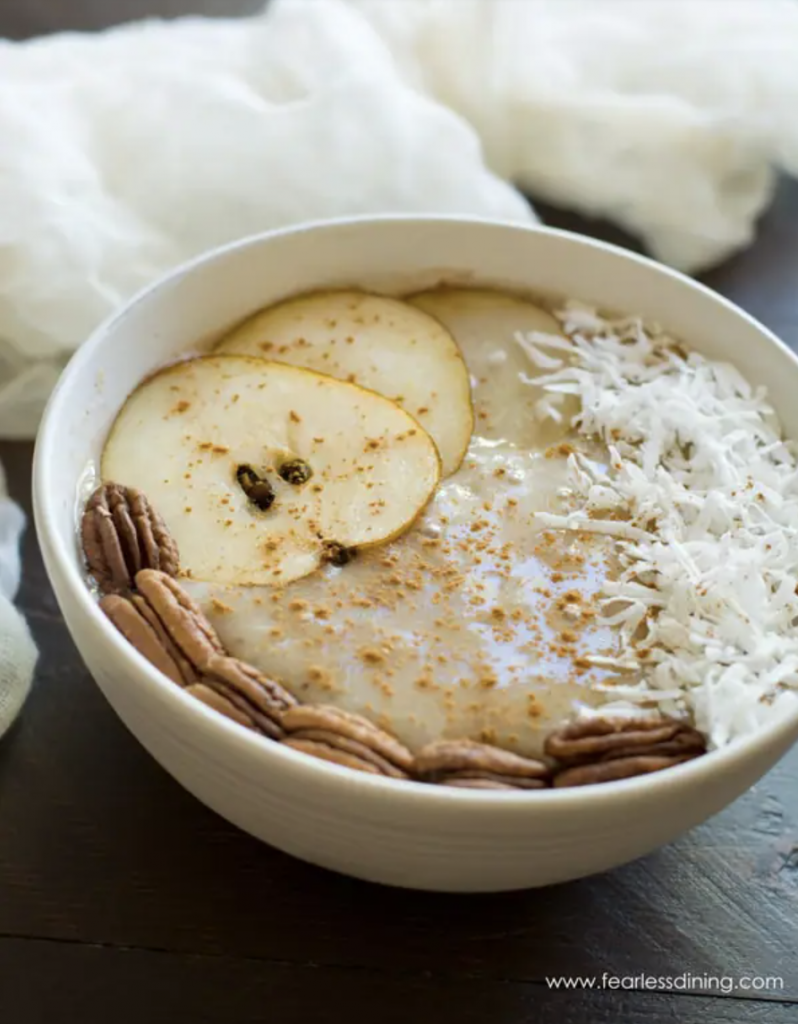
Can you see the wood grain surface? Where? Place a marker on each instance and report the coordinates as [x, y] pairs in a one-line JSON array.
[[122, 898]]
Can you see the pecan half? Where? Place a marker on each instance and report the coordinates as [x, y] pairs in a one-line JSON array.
[[188, 672], [334, 754], [605, 749], [165, 625], [462, 782], [213, 699], [121, 533], [344, 738], [621, 768], [182, 618], [138, 630], [262, 700], [465, 763]]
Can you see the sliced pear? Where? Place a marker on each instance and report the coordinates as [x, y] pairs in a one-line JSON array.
[[379, 343], [264, 471], [484, 324], [470, 311]]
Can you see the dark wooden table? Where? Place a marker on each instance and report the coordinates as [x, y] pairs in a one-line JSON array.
[[122, 899]]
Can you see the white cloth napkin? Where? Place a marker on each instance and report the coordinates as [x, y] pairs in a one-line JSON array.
[[127, 152], [17, 650], [667, 116]]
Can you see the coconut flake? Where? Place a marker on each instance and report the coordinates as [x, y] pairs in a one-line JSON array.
[[701, 492]]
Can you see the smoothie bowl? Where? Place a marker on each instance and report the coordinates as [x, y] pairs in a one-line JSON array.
[[443, 553]]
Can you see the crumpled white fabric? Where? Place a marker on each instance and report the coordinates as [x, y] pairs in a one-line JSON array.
[[666, 116], [17, 649], [127, 152]]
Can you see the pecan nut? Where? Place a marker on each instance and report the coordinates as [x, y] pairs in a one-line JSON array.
[[604, 749], [621, 768], [188, 672], [467, 764], [476, 782], [165, 625], [213, 699], [137, 629], [335, 755], [263, 701], [344, 738], [182, 617], [121, 533]]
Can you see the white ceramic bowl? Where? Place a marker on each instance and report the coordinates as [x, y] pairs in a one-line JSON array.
[[401, 833]]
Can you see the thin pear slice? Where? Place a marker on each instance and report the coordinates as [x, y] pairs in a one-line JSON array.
[[485, 324], [380, 343], [208, 439]]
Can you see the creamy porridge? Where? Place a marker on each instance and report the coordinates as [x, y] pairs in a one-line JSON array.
[[457, 537], [475, 622]]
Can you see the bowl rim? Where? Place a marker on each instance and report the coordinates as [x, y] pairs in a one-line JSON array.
[[197, 716]]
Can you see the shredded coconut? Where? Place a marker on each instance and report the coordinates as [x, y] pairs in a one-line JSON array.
[[701, 493]]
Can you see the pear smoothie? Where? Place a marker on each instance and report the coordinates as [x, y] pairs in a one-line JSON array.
[[354, 484]]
